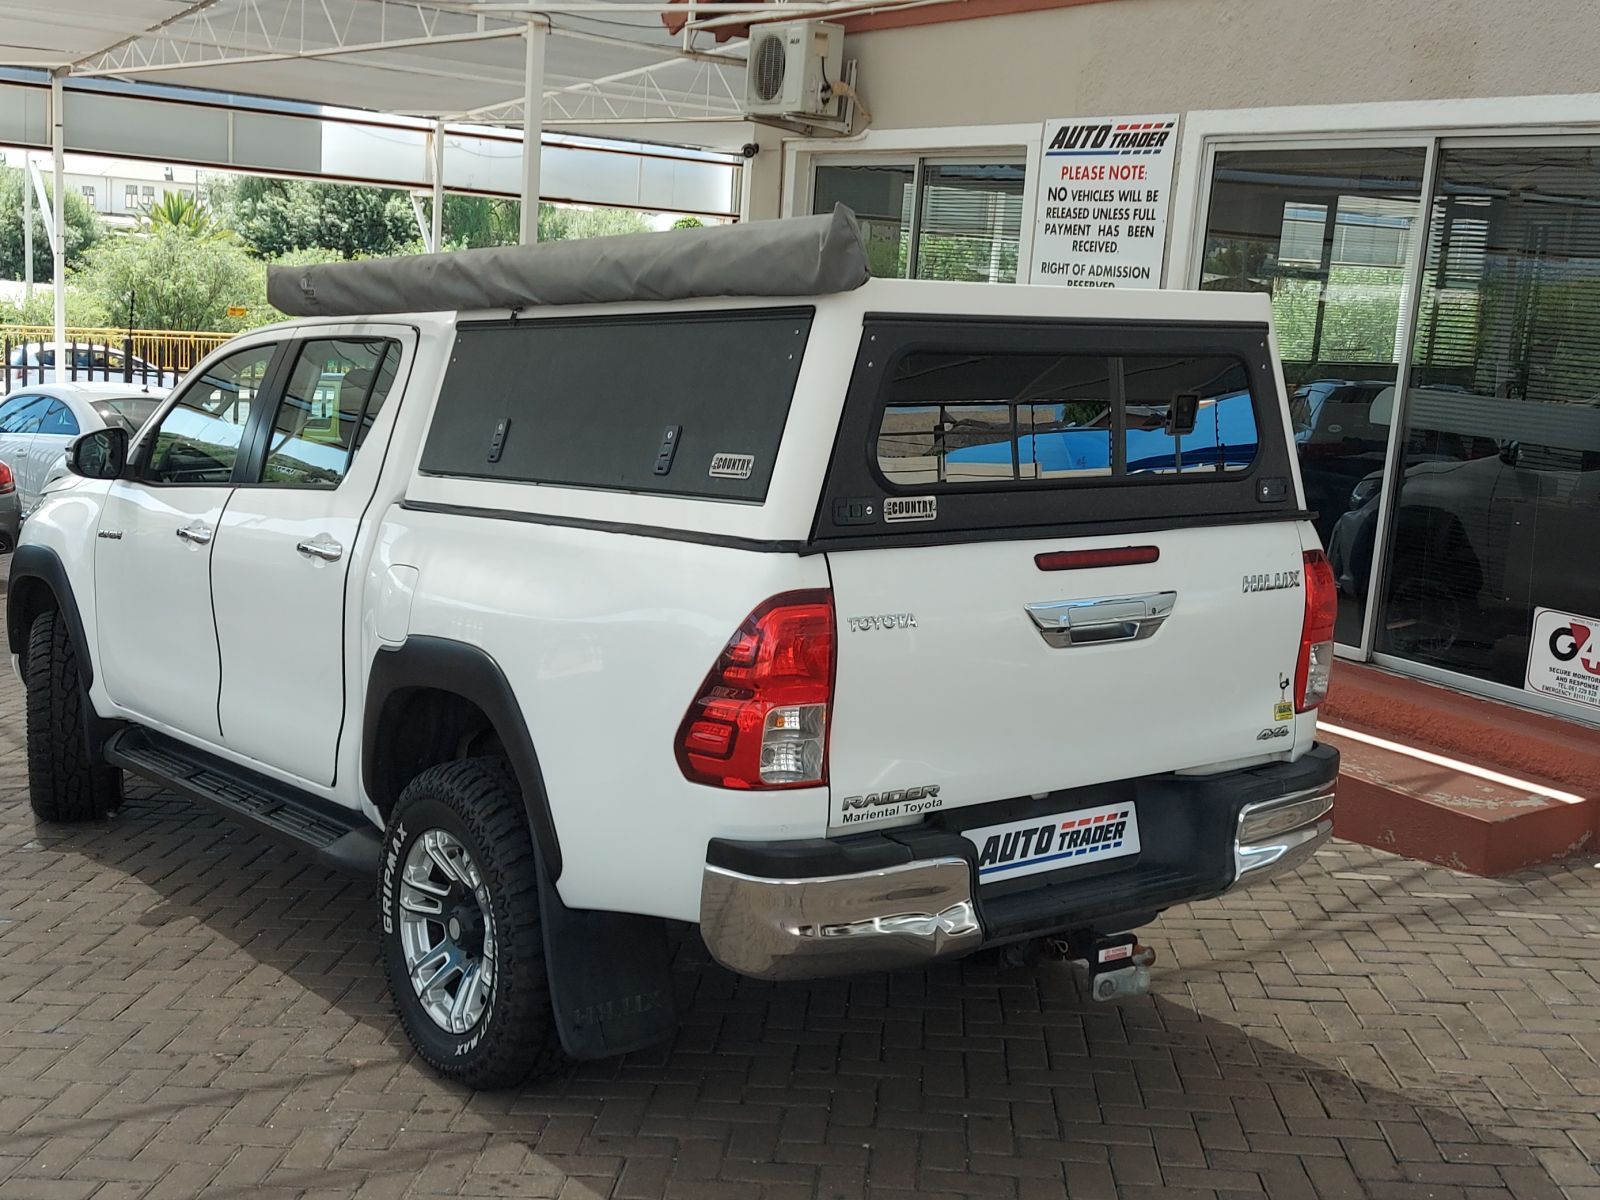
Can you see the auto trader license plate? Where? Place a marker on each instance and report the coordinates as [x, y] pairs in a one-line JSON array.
[[1070, 839]]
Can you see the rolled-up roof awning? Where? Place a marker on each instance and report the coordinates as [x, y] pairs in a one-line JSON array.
[[804, 256]]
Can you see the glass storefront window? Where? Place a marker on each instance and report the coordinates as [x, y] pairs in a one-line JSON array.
[[1328, 234], [1497, 507], [882, 199], [930, 220], [971, 223]]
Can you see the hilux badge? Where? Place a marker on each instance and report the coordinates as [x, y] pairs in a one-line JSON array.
[[1271, 581]]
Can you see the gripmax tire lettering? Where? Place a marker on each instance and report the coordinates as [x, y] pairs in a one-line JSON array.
[[64, 784], [478, 802]]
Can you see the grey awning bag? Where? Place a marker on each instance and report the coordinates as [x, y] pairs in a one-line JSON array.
[[802, 256]]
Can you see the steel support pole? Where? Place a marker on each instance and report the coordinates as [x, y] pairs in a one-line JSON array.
[[532, 130], [436, 242], [27, 227], [58, 210]]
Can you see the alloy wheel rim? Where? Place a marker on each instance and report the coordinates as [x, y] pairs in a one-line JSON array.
[[447, 931]]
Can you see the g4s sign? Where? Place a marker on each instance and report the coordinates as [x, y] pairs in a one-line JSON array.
[[1564, 656]]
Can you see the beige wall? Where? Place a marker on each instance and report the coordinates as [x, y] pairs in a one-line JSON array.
[[1135, 56]]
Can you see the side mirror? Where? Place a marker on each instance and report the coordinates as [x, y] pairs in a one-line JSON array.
[[99, 455], [1182, 414], [1510, 452]]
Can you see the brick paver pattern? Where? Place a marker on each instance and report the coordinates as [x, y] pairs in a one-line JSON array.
[[187, 1009]]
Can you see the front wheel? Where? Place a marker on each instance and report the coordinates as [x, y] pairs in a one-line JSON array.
[[462, 945], [64, 783]]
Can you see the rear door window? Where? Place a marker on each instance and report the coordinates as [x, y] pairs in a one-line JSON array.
[[332, 397], [688, 404]]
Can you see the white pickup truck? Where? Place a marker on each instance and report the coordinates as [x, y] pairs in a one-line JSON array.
[[574, 590]]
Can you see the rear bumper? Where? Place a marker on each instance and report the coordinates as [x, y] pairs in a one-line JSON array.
[[874, 902]]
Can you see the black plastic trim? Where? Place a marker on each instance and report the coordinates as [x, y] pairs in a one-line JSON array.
[[725, 540], [441, 664], [44, 564], [879, 541]]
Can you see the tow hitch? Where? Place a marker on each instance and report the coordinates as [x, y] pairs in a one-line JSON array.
[[1115, 967]]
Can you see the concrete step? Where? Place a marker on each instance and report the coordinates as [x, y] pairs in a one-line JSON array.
[[1452, 779]]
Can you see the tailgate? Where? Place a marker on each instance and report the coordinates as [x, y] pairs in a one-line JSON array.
[[1062, 553], [971, 670]]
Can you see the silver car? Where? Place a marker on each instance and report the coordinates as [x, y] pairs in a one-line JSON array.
[[38, 423]]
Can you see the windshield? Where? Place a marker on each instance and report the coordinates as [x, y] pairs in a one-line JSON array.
[[129, 412]]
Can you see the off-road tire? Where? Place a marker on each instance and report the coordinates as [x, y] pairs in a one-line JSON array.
[[64, 783], [478, 802]]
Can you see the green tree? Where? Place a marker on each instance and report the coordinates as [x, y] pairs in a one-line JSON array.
[[277, 216], [688, 223], [82, 229], [563, 223], [169, 279], [83, 309]]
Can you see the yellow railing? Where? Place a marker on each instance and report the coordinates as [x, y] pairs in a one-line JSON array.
[[163, 349]]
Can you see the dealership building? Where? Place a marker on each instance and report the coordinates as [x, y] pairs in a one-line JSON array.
[[1417, 188]]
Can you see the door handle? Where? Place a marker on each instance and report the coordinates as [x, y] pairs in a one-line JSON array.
[[323, 547], [197, 533], [1104, 619]]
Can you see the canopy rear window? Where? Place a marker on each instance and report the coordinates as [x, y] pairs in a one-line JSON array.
[[980, 420], [969, 424]]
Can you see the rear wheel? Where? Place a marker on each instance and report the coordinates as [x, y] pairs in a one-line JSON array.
[[64, 783], [462, 943]]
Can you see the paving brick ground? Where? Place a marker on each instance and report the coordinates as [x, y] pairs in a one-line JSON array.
[[187, 1010]]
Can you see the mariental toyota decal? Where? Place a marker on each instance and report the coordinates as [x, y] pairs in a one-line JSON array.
[[1564, 656]]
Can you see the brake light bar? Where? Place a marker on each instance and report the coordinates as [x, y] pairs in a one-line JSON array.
[[1076, 560]]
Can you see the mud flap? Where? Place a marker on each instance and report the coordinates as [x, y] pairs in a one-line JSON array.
[[610, 977]]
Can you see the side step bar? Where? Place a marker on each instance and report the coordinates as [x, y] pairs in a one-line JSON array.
[[336, 837]]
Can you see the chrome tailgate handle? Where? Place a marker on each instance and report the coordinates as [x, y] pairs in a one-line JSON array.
[[1104, 619]]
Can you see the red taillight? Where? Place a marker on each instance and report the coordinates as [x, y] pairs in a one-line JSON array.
[[761, 717], [8, 481], [1077, 560], [1311, 673]]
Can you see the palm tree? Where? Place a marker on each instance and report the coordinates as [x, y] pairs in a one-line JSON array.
[[184, 214]]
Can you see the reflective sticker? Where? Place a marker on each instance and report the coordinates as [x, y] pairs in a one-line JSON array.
[[732, 466], [911, 508]]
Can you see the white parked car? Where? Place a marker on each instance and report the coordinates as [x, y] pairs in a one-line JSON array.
[[39, 422], [35, 362], [676, 593]]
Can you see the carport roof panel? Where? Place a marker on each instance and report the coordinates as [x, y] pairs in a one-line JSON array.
[[605, 59], [48, 33]]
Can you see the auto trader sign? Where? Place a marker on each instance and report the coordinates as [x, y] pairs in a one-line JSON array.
[[1104, 188]]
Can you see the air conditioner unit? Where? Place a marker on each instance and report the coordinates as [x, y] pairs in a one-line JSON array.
[[793, 66]]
